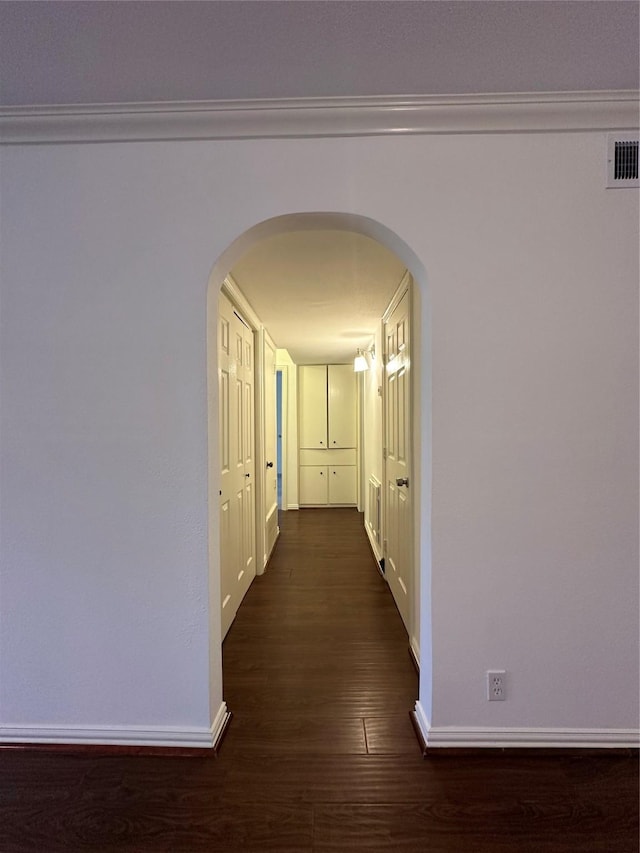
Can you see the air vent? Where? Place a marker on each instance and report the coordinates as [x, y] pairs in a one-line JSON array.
[[622, 160]]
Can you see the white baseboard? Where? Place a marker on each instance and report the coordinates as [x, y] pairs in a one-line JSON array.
[[267, 557], [219, 725], [421, 721], [541, 738], [293, 506], [190, 737], [415, 651], [377, 553]]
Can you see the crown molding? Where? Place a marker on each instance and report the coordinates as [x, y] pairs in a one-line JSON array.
[[294, 118]]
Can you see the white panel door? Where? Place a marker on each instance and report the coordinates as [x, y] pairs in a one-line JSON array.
[[237, 462], [341, 384], [398, 562], [247, 569], [228, 536], [312, 405], [270, 478], [231, 473]]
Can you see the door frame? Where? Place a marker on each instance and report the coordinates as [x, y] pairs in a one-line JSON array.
[[266, 340]]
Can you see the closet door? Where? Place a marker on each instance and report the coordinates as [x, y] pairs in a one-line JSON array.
[[312, 403], [248, 414], [237, 460], [341, 405], [228, 404], [397, 419]]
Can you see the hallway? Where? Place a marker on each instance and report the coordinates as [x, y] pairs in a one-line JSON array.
[[317, 660], [320, 754]]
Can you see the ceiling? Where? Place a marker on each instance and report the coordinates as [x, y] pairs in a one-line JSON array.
[[56, 52], [320, 294]]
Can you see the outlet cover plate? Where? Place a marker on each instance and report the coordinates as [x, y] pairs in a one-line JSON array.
[[496, 685]]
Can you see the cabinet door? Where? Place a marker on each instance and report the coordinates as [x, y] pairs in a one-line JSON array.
[[342, 405], [342, 484], [313, 484], [312, 396]]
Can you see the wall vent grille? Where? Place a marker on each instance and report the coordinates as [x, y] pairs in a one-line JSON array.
[[622, 160]]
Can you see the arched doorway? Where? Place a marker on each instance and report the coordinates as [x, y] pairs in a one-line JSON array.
[[421, 422]]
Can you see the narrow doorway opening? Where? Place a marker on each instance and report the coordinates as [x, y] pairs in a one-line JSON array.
[[309, 299]]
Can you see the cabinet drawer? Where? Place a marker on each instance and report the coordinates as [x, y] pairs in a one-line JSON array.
[[328, 457]]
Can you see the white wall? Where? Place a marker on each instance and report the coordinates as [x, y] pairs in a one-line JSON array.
[[531, 285]]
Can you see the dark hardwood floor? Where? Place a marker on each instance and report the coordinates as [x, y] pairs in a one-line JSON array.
[[320, 755]]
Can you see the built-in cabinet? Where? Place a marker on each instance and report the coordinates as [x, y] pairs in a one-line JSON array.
[[327, 435]]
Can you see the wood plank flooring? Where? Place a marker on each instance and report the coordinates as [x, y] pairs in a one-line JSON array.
[[320, 755]]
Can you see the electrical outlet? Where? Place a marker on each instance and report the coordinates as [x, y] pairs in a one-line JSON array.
[[496, 685]]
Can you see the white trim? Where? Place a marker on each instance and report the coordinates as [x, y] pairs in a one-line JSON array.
[[422, 721], [268, 512], [219, 725], [542, 738], [318, 117], [377, 552], [293, 506], [401, 289], [230, 288], [268, 556], [415, 650], [191, 737]]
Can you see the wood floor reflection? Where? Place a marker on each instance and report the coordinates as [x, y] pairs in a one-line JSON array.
[[320, 755]]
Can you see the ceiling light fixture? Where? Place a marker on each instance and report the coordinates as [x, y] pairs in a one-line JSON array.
[[360, 362]]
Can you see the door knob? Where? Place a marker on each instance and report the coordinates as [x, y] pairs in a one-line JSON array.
[[402, 481], [247, 475], [269, 464]]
